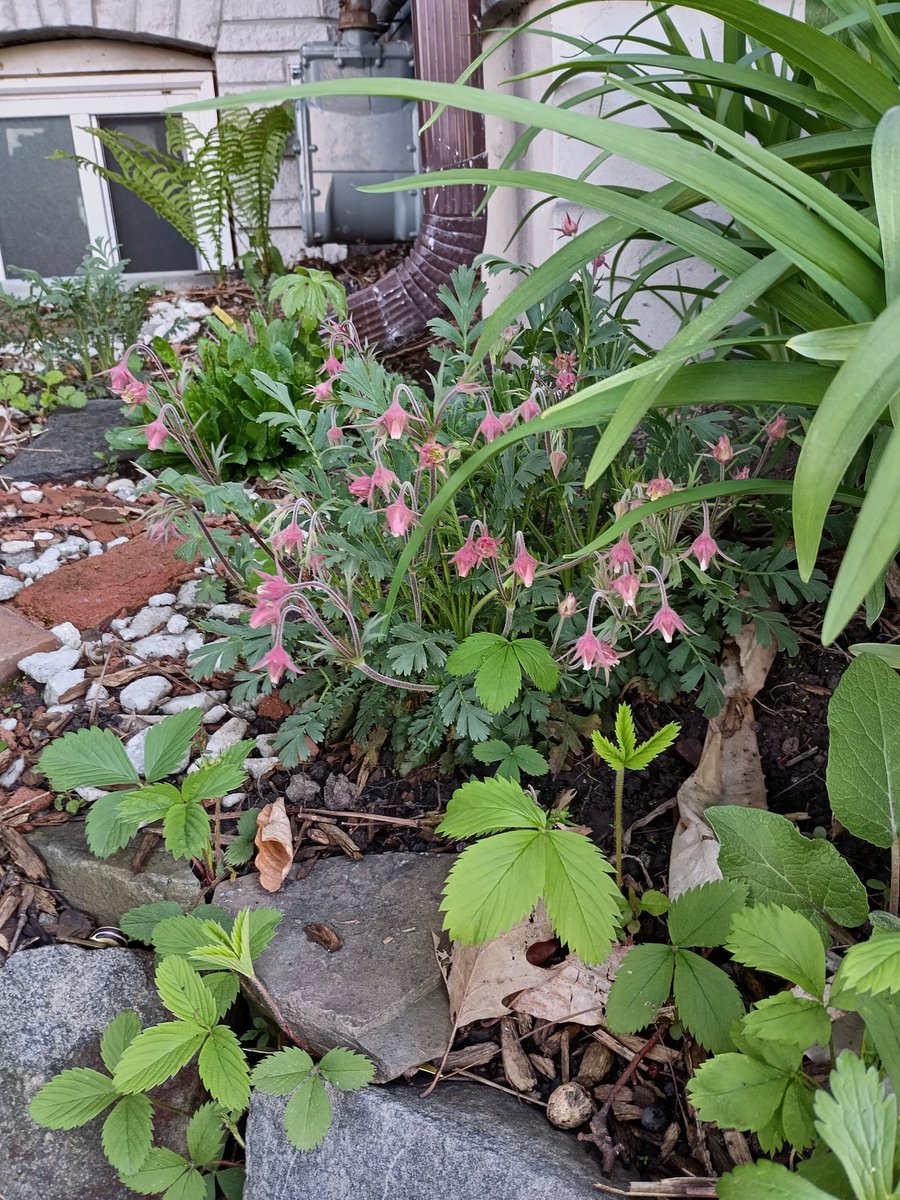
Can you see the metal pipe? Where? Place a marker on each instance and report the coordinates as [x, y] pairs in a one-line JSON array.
[[388, 313]]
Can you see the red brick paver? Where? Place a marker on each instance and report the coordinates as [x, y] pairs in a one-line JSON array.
[[19, 638]]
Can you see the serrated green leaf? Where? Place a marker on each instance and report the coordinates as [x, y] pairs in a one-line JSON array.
[[224, 1071], [217, 777], [872, 966], [529, 760], [863, 771], [780, 865], [859, 1123], [487, 806], [610, 753], [499, 679], [119, 1034], [654, 902], [768, 1181], [190, 1186], [179, 935], [149, 803], [72, 1098], [88, 758], [789, 1019], [707, 1000], [263, 924], [642, 985], [470, 654], [186, 829], [105, 829], [240, 940], [647, 751], [737, 1091], [168, 742], [184, 993], [796, 1117], [625, 731], [494, 884], [128, 1134], [206, 1135], [239, 851], [581, 897], [772, 938], [537, 662], [280, 1073], [231, 1182], [248, 822], [702, 916], [347, 1070], [224, 987], [492, 750], [307, 1117], [156, 1054], [139, 922], [162, 1169]]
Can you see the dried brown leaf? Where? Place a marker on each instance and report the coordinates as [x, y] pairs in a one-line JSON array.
[[274, 845], [482, 977], [323, 935], [572, 991]]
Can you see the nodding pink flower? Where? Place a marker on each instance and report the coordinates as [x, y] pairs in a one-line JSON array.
[[568, 606], [557, 462], [161, 530], [722, 451], [400, 517], [126, 385], [432, 455], [621, 554], [594, 652], [323, 391], [569, 226], [363, 488], [332, 365], [777, 428], [490, 427], [276, 662], [273, 587], [627, 587], [659, 487], [265, 613], [524, 564], [487, 546], [666, 621], [508, 419], [704, 546], [335, 434], [598, 263], [566, 379], [394, 420], [384, 479], [291, 535], [156, 433], [742, 473], [465, 558], [529, 409]]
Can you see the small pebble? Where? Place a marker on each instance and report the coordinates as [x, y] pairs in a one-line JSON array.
[[9, 724], [177, 623], [214, 715], [162, 600], [228, 612], [43, 535], [94, 548], [569, 1106], [9, 777], [42, 667], [119, 541], [228, 735], [58, 686], [654, 1118], [232, 800], [9, 587], [68, 635], [144, 694], [32, 496]]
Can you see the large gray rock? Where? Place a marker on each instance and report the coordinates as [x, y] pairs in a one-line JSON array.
[[55, 1003], [464, 1141], [107, 888], [70, 444], [381, 992]]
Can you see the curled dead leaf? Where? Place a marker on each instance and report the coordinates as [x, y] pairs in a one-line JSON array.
[[274, 845], [480, 978], [572, 991]]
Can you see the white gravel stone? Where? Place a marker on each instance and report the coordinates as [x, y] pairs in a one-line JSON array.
[[259, 768], [162, 600], [58, 708], [9, 724], [9, 776], [214, 715], [119, 541], [187, 594], [60, 684], [97, 692], [32, 496], [43, 535], [16, 552], [68, 635], [225, 736], [90, 794], [21, 484], [94, 549], [228, 612], [158, 645], [9, 587], [193, 639], [122, 489], [195, 700], [177, 624], [44, 564], [42, 667], [146, 621], [232, 800], [144, 694], [265, 744], [71, 546]]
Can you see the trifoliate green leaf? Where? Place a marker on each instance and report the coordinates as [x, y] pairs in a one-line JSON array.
[[789, 1019], [529, 760], [184, 993], [494, 884], [88, 758], [280, 1073], [702, 916], [138, 923], [128, 1134], [537, 662], [772, 938], [72, 1098], [224, 987], [224, 1071], [707, 1000], [863, 771], [468, 657], [347, 1070], [248, 823], [781, 866], [191, 1186], [118, 1035], [168, 742], [737, 1091], [768, 1181], [499, 678], [179, 935], [149, 803], [646, 752], [219, 776], [493, 750], [263, 924], [186, 829], [859, 1123], [872, 966], [487, 806], [625, 731], [206, 1135], [307, 1117], [642, 985], [581, 897], [654, 902], [162, 1170], [105, 829], [156, 1054]]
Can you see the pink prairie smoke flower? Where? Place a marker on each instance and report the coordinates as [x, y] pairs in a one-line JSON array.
[[704, 546], [667, 622], [400, 517], [524, 564], [568, 606], [394, 420], [335, 434], [594, 652], [529, 409], [627, 586], [659, 487], [487, 547], [465, 558], [598, 263], [621, 554], [566, 379], [276, 662], [742, 473], [777, 428], [156, 433], [332, 365], [569, 226], [490, 427], [722, 451], [363, 488], [126, 385], [323, 391], [432, 455], [273, 587], [291, 535], [265, 613], [508, 419], [384, 479], [557, 462]]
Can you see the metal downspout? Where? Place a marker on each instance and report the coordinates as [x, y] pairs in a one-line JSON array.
[[446, 35]]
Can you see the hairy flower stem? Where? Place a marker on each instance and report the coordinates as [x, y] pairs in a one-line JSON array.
[[620, 788], [405, 684]]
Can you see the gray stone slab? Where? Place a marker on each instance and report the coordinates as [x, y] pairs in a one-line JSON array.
[[463, 1142], [381, 992], [55, 1003], [105, 888], [69, 446]]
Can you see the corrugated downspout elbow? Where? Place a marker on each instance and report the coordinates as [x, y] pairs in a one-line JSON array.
[[391, 311]]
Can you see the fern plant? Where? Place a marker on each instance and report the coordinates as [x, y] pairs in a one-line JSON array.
[[201, 181]]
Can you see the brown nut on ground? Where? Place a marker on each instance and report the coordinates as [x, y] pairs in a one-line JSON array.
[[569, 1106]]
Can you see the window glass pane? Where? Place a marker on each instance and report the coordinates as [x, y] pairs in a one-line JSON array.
[[42, 218], [146, 240]]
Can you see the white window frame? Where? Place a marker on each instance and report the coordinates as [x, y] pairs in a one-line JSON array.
[[84, 98]]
